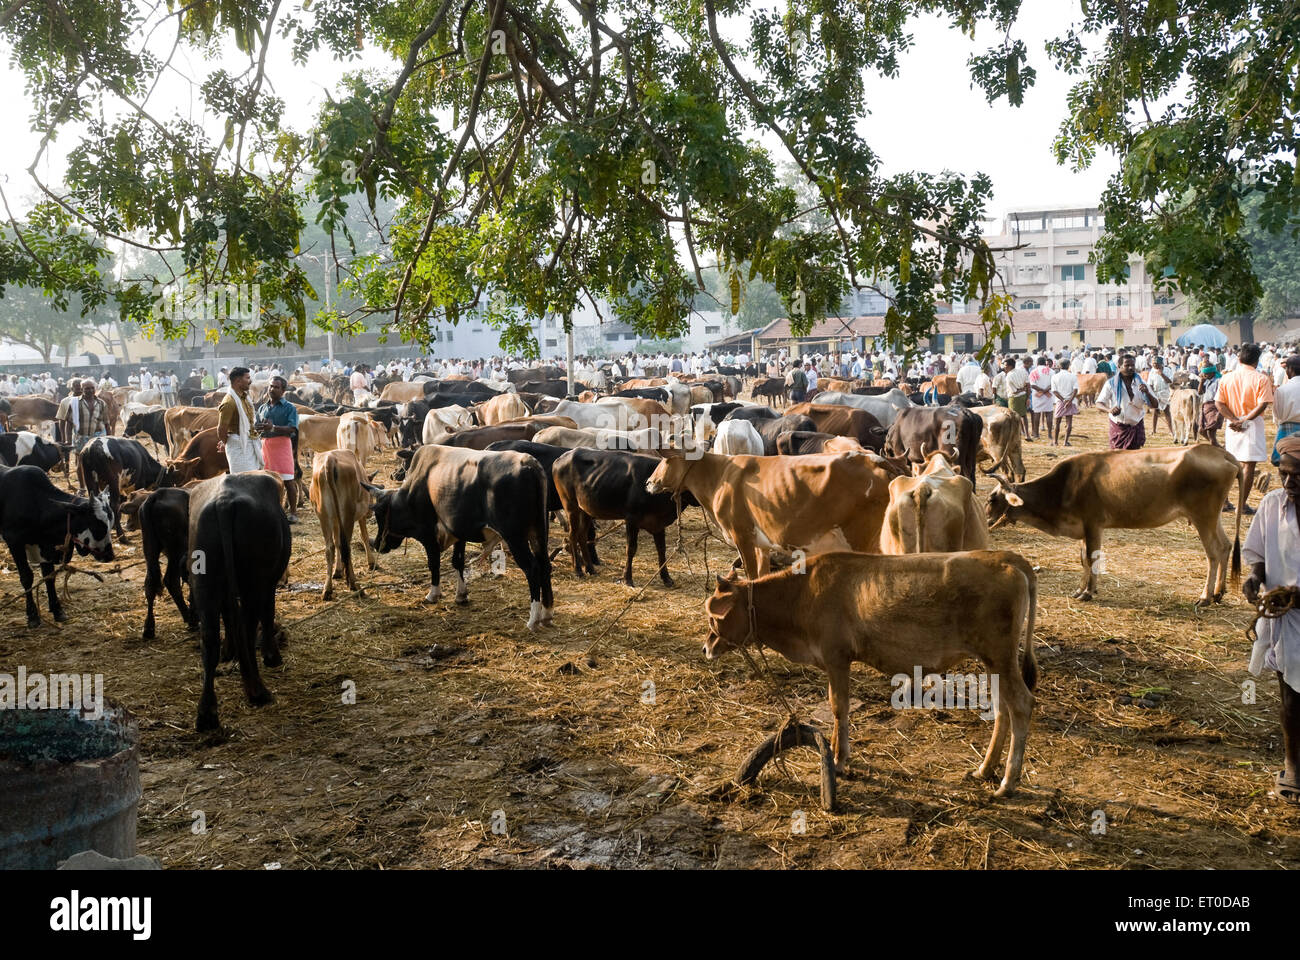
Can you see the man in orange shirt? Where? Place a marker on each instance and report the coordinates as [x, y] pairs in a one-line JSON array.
[[1244, 394]]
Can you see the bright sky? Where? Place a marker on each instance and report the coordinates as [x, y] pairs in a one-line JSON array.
[[929, 118]]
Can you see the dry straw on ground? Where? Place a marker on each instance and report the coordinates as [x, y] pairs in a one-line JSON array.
[[464, 721]]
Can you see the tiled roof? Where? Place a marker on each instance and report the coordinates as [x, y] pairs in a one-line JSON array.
[[1022, 321]]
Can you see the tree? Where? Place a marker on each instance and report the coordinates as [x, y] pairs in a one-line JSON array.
[[548, 151], [755, 302]]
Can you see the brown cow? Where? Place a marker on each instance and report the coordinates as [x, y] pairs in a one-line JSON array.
[[341, 498], [814, 503], [27, 412], [181, 423], [1001, 441], [867, 611], [843, 422], [355, 433], [501, 408], [1088, 493], [935, 512], [318, 433], [1090, 385], [200, 460]]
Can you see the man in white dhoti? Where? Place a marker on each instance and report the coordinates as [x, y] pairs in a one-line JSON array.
[[235, 436], [1160, 387], [1272, 551], [1243, 396]]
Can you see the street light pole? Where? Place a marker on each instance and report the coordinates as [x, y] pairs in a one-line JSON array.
[[568, 351]]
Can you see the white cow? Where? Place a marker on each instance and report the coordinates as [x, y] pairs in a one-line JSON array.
[[738, 436], [884, 408], [441, 423]]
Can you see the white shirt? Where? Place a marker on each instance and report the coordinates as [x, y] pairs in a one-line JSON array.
[[1065, 384], [1089, 365], [983, 386], [146, 381], [1286, 402], [967, 375], [1158, 384], [1131, 408], [1274, 540]]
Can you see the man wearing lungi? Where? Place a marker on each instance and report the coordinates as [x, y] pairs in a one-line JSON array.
[[277, 422], [236, 437], [1127, 398], [1272, 551], [1065, 388], [1244, 394], [1160, 387]]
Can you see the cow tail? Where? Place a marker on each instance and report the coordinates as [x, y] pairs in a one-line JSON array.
[[1029, 665], [921, 496], [1236, 539]]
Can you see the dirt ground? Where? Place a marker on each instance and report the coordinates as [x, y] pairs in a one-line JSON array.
[[473, 743]]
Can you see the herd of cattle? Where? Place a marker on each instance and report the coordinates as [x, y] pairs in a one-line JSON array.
[[864, 501]]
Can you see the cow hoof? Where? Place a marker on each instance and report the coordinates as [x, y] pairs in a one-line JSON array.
[[147, 634], [462, 601], [1006, 789], [33, 622], [60, 616], [327, 594], [669, 582], [1218, 597], [206, 722], [262, 698], [433, 596], [272, 659], [989, 773], [1202, 603]]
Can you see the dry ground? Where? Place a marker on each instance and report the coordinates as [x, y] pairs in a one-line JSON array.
[[460, 712]]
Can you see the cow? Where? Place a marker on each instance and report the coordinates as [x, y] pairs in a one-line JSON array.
[[163, 517], [452, 496], [773, 388], [25, 448], [631, 440], [38, 520], [341, 496], [770, 430], [31, 412], [885, 407], [934, 512], [240, 544], [843, 422], [318, 433], [738, 436], [640, 413], [442, 422], [601, 416], [149, 424], [866, 610], [500, 409], [814, 504], [1001, 442], [800, 443], [707, 416], [356, 433], [1090, 385], [181, 423], [611, 485], [1089, 493], [200, 460], [920, 431], [1185, 407], [105, 463]]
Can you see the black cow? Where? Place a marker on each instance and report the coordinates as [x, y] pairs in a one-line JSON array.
[[649, 393], [750, 412], [240, 543], [774, 387], [559, 389], [460, 390], [546, 454], [922, 430], [26, 449], [106, 461], [610, 485], [164, 521], [968, 400], [715, 387], [771, 430], [36, 515], [149, 424], [717, 412], [454, 495]]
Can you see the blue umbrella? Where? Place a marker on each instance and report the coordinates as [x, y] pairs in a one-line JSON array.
[[1203, 335]]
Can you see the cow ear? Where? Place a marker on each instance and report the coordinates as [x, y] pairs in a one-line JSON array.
[[723, 585], [1014, 498]]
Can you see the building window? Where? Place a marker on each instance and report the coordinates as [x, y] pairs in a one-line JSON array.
[[712, 329], [552, 343], [1117, 301], [1069, 223], [612, 337], [1071, 253], [1073, 271], [449, 336], [1164, 297], [1071, 303], [550, 321], [1030, 224], [1031, 253], [1031, 305], [629, 336]]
